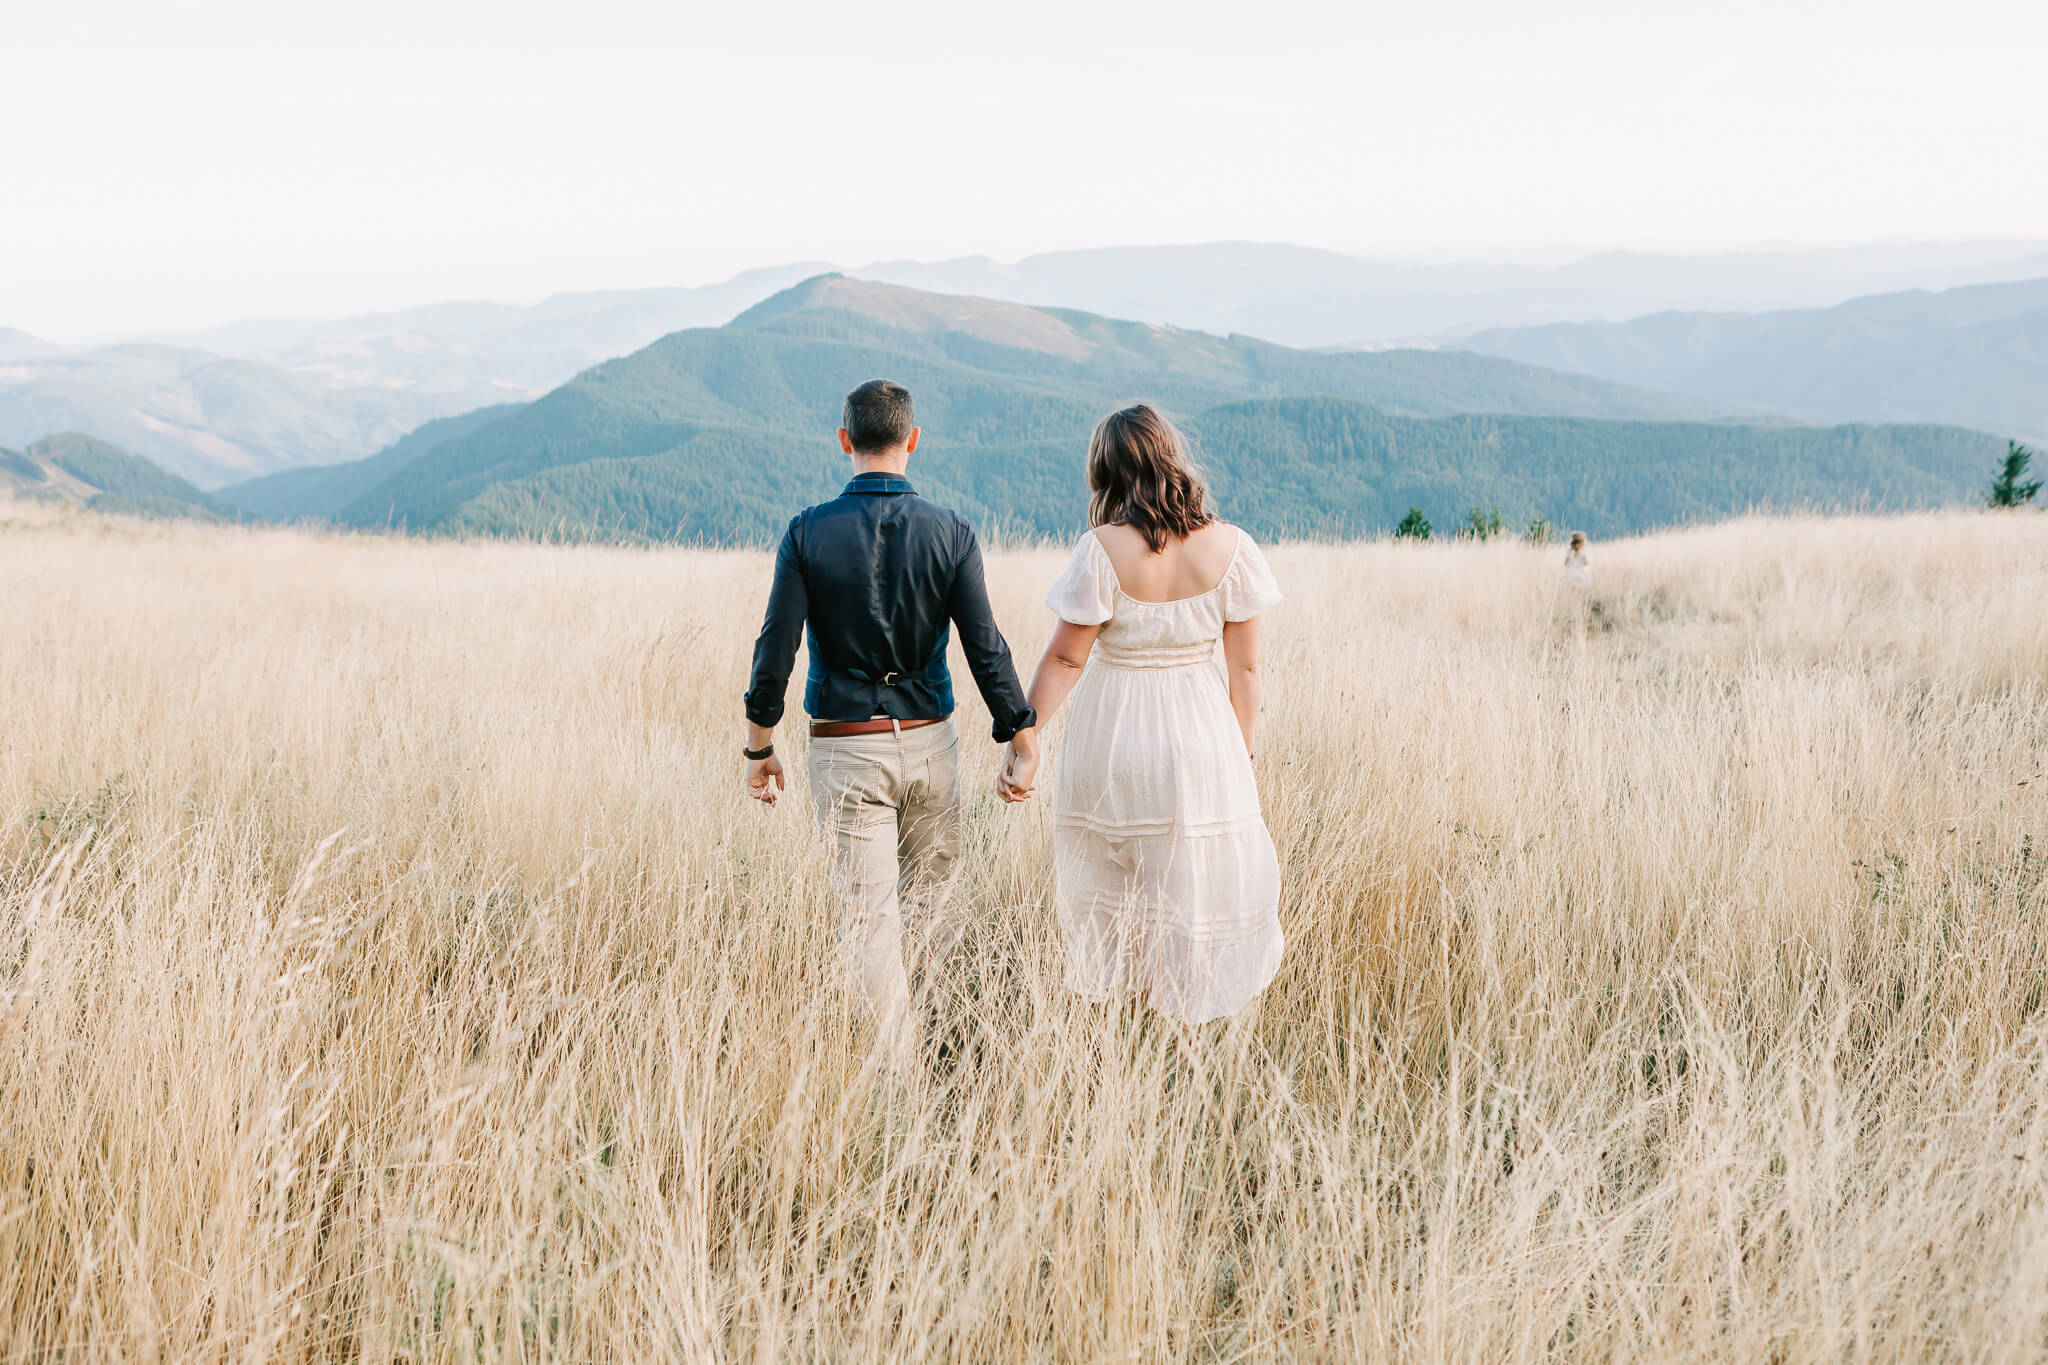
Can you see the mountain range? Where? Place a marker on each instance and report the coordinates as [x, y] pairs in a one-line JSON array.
[[261, 397], [1301, 296], [253, 398], [484, 353], [1975, 355], [1293, 295], [718, 434]]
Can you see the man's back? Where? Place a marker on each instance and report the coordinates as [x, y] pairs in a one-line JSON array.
[[880, 575], [880, 569]]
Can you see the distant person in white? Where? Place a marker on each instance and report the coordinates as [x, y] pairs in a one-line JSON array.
[[1578, 570], [1166, 878]]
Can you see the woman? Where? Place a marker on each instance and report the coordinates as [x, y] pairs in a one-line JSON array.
[[1167, 882], [1578, 570]]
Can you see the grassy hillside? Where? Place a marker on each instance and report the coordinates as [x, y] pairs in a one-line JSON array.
[[75, 468], [392, 970], [717, 434]]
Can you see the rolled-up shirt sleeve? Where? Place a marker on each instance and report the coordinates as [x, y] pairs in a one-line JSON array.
[[988, 654], [781, 631]]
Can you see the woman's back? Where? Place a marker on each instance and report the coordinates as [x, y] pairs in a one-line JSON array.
[[1182, 568], [1180, 607]]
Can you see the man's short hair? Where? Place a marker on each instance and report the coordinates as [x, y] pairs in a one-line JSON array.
[[878, 416]]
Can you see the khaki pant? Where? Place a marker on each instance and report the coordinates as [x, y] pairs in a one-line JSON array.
[[890, 805]]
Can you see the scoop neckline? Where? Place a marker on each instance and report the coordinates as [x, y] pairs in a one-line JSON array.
[[1236, 549]]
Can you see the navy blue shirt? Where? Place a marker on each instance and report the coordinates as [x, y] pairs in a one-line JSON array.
[[881, 577]]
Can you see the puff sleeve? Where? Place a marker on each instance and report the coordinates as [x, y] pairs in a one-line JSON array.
[[1085, 593], [1249, 588]]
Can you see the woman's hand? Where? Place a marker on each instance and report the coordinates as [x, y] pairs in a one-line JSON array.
[[764, 778], [1017, 777]]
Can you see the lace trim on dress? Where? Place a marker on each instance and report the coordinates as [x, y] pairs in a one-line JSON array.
[[1208, 936], [1222, 827]]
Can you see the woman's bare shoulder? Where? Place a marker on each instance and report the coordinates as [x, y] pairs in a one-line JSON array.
[[1215, 545], [1118, 536]]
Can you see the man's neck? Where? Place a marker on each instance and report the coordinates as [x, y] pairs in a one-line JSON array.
[[897, 464]]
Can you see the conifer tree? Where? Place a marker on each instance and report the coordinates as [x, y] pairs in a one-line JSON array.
[[2012, 488]]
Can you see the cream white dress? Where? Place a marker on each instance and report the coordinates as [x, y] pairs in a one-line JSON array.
[[1167, 881]]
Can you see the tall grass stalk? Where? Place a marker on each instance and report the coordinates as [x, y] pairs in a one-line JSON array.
[[390, 969]]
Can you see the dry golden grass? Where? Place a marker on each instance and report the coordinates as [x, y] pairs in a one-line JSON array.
[[390, 969]]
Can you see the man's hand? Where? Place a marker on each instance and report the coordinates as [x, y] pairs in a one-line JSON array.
[[1016, 778], [764, 778]]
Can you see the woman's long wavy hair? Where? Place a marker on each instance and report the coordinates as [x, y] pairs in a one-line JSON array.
[[1139, 475]]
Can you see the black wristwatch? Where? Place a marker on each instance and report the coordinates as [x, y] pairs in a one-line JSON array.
[[756, 755]]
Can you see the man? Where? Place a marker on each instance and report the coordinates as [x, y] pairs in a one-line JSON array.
[[881, 576]]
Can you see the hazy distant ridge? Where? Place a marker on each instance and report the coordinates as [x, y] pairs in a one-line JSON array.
[[319, 493], [204, 417], [1302, 296], [1976, 356]]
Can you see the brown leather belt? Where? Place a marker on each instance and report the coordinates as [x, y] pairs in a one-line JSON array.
[[840, 729]]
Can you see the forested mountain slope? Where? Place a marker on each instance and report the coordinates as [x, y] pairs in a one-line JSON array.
[[74, 468]]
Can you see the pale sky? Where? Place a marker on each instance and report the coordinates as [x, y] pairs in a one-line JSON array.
[[175, 163]]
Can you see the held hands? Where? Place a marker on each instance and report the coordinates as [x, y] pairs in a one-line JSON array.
[[764, 778], [1017, 777]]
